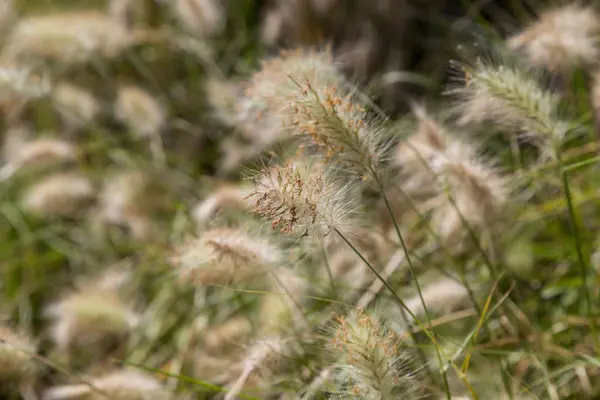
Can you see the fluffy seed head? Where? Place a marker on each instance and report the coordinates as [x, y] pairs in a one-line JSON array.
[[298, 199], [513, 99], [224, 256], [82, 319], [17, 352], [76, 105], [139, 111], [67, 37], [262, 111], [338, 126], [373, 365], [203, 17], [39, 153], [61, 194], [478, 190], [22, 83], [435, 164], [562, 39], [306, 94], [127, 384], [126, 200]]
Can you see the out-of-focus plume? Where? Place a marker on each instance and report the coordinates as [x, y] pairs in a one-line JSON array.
[[563, 38], [224, 256], [60, 194], [68, 37]]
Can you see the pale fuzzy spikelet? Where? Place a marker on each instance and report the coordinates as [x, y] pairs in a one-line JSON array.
[[512, 99], [67, 37], [17, 357], [203, 17], [39, 153], [61, 194], [77, 106], [85, 319], [127, 384], [296, 198], [478, 193], [139, 111], [338, 126], [126, 200], [224, 256], [223, 199], [373, 365], [446, 176], [22, 83], [263, 110], [562, 39], [306, 93], [440, 297]]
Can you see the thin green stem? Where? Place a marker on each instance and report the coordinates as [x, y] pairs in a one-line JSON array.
[[583, 265], [328, 267]]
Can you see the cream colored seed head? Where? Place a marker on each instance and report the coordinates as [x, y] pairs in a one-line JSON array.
[[84, 319], [68, 37], [562, 39], [19, 82], [373, 361], [126, 384], [139, 111], [297, 199], [61, 194], [77, 106], [224, 256], [39, 153]]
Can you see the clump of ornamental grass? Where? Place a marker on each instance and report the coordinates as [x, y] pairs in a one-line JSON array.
[[224, 256], [301, 199], [372, 362], [58, 195], [17, 357], [563, 38], [125, 384], [69, 37], [77, 106]]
